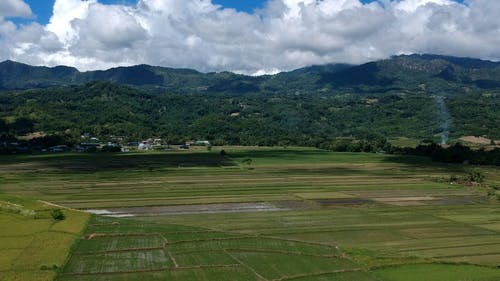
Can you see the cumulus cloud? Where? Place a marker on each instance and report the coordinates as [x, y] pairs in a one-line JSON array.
[[284, 35], [64, 13], [14, 8]]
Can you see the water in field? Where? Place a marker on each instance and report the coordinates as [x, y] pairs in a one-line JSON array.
[[188, 209]]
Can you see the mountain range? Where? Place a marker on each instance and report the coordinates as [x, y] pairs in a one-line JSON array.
[[408, 72], [414, 96]]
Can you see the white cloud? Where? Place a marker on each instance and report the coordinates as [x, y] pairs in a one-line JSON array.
[[107, 27], [14, 8], [411, 6], [284, 35], [64, 13]]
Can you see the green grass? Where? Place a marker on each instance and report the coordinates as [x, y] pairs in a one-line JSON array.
[[34, 247], [276, 265], [404, 142], [127, 261], [189, 259], [343, 216], [438, 272], [199, 274], [99, 244], [343, 276]]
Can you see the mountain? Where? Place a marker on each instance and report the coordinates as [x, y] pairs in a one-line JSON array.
[[415, 96], [410, 72], [14, 75], [18, 76]]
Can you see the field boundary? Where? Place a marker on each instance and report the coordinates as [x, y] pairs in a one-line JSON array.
[[246, 266], [285, 278]]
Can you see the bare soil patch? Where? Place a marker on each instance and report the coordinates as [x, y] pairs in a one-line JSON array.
[[476, 140]]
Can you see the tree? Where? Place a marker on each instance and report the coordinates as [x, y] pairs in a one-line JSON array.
[[57, 215], [3, 127], [474, 176], [22, 126]]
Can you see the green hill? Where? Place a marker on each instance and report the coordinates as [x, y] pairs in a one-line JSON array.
[[417, 96]]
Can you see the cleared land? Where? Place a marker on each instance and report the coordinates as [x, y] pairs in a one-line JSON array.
[[288, 214]]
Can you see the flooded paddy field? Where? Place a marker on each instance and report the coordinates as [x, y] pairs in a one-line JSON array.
[[188, 209]]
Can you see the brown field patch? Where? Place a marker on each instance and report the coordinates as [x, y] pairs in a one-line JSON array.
[[476, 140]]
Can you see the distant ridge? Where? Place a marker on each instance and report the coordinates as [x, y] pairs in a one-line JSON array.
[[398, 72], [427, 97]]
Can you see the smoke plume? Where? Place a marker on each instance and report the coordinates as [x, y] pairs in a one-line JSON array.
[[444, 119]]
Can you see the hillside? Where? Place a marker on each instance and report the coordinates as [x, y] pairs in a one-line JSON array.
[[417, 96], [413, 72]]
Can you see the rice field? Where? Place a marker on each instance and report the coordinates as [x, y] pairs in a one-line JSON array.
[[288, 214]]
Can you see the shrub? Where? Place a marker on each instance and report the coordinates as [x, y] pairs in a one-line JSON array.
[[57, 215], [474, 176], [247, 161]]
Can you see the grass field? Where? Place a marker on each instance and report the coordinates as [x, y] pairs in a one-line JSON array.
[[33, 246], [285, 214]]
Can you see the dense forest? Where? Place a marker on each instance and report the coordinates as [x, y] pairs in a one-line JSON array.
[[420, 97]]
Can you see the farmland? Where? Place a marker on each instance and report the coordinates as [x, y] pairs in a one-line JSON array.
[[262, 214], [33, 245]]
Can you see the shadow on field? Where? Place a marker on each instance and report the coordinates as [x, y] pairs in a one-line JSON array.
[[83, 162], [281, 154], [409, 160], [424, 162], [304, 157]]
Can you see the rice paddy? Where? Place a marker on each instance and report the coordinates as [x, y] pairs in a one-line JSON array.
[[288, 214]]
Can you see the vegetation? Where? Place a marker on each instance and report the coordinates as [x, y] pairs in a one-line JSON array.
[[57, 215], [456, 153], [273, 211], [407, 96], [35, 247], [299, 213], [438, 273]]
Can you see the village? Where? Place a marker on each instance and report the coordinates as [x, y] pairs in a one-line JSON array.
[[90, 143]]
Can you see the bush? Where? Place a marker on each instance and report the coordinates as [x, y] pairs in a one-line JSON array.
[[247, 161], [474, 176], [57, 215], [48, 267]]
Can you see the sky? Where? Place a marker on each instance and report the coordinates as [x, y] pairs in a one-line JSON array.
[[43, 9], [248, 36]]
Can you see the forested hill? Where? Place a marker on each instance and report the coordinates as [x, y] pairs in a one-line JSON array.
[[422, 97], [410, 73]]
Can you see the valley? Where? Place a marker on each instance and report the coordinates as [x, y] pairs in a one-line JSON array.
[[291, 214]]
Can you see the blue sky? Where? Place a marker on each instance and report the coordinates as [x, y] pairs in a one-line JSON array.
[[42, 9], [250, 5]]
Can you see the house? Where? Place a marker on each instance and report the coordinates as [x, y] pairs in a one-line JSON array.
[[202, 143], [144, 145]]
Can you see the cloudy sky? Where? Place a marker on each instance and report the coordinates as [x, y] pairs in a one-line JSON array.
[[246, 36]]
